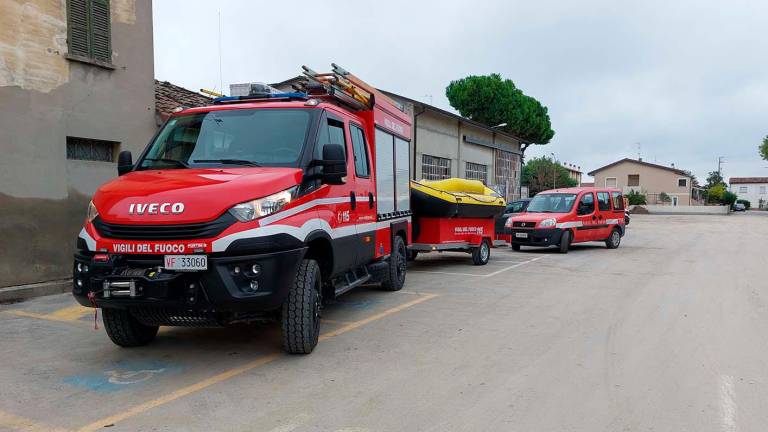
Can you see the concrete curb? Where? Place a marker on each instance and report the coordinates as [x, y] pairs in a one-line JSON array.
[[21, 292]]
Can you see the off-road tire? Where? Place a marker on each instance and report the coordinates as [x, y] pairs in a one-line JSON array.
[[125, 330], [481, 255], [614, 240], [515, 247], [395, 278], [565, 241], [300, 318]]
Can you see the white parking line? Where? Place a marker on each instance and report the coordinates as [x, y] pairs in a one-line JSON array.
[[727, 404], [513, 266], [517, 264]]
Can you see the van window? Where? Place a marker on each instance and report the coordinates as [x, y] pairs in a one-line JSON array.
[[360, 151], [603, 201], [618, 201], [586, 204]]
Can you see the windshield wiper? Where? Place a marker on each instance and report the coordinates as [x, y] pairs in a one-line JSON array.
[[173, 161], [229, 161]]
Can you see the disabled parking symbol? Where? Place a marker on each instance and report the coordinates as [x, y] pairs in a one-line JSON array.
[[121, 376]]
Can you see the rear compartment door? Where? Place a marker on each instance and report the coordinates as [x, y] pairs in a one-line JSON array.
[[586, 215], [604, 214]]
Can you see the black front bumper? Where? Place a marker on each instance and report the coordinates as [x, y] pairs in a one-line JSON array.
[[536, 237], [225, 287]]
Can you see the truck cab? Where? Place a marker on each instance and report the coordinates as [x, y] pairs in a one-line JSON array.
[[255, 207], [561, 217]]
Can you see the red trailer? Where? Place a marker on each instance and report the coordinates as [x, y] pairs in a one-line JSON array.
[[473, 235]]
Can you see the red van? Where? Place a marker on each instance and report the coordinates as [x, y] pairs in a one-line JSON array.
[[561, 217]]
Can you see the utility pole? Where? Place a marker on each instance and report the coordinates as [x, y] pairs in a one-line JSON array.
[[720, 162]]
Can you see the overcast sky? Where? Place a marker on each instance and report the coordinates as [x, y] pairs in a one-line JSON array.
[[687, 80]]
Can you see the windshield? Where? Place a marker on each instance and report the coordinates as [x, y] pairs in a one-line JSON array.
[[247, 137], [551, 203]]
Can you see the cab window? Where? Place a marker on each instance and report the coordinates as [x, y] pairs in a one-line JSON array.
[[332, 132], [603, 201], [586, 204], [618, 201], [360, 151]]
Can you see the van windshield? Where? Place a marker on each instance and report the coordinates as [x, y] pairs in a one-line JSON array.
[[551, 203], [247, 137]]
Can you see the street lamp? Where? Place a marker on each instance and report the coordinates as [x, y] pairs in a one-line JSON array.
[[554, 171]]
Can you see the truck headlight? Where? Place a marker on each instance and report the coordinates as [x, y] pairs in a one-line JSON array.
[[251, 210], [548, 223], [92, 212]]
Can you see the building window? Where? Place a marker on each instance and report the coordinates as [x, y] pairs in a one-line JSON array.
[[682, 182], [743, 189], [762, 190], [475, 171], [89, 30], [506, 178], [610, 182], [91, 149], [633, 180], [435, 168]]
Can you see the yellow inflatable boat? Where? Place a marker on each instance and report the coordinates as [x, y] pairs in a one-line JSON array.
[[455, 197]]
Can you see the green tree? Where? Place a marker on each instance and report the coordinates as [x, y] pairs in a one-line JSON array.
[[715, 193], [663, 197], [729, 198], [764, 148], [636, 198], [714, 178], [541, 174], [492, 100]]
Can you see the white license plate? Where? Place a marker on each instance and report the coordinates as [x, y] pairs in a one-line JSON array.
[[521, 235], [186, 262]]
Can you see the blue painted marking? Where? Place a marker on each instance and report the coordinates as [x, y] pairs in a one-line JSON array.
[[122, 376]]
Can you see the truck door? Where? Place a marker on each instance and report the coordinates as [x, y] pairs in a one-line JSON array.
[[604, 213], [585, 213], [336, 207], [364, 207]]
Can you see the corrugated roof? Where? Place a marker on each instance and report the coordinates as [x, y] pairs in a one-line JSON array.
[[639, 162], [168, 97], [742, 180]]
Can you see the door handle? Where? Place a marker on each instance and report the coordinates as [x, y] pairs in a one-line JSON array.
[[352, 200], [370, 200]]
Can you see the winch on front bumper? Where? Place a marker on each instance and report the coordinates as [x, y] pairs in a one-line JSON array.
[[253, 283]]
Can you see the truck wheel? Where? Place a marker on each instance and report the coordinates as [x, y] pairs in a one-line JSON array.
[[613, 241], [125, 330], [395, 278], [481, 255], [515, 247], [565, 241], [300, 319]]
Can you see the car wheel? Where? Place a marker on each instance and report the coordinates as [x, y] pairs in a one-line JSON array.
[[300, 318], [397, 266], [565, 241], [125, 330], [613, 241], [482, 254]]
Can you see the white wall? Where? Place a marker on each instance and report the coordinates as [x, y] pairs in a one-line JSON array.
[[754, 192]]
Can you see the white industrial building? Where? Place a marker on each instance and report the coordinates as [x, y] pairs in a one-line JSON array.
[[752, 189]]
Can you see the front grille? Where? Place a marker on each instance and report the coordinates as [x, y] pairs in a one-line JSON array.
[[164, 232], [172, 317], [523, 224]]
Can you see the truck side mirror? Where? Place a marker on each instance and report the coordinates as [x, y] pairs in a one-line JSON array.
[[124, 162], [334, 164]]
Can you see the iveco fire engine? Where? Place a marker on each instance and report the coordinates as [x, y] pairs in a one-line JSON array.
[[259, 206]]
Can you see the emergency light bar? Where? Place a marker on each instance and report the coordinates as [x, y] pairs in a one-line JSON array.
[[266, 96]]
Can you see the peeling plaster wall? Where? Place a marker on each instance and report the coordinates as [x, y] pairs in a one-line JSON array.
[[43, 99], [33, 41]]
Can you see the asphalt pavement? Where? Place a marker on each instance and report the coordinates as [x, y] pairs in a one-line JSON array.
[[666, 333]]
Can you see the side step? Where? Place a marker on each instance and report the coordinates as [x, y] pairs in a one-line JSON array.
[[351, 279]]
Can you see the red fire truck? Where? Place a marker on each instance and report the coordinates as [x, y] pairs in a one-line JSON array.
[[258, 206]]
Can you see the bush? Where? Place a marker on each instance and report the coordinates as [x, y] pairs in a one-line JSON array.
[[746, 203], [663, 197], [729, 198], [636, 198], [715, 194]]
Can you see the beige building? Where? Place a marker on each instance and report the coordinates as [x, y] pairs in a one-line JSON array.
[[76, 88], [649, 179], [574, 171], [448, 145]]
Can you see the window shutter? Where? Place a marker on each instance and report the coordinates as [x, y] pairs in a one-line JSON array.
[[78, 28], [101, 44]]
